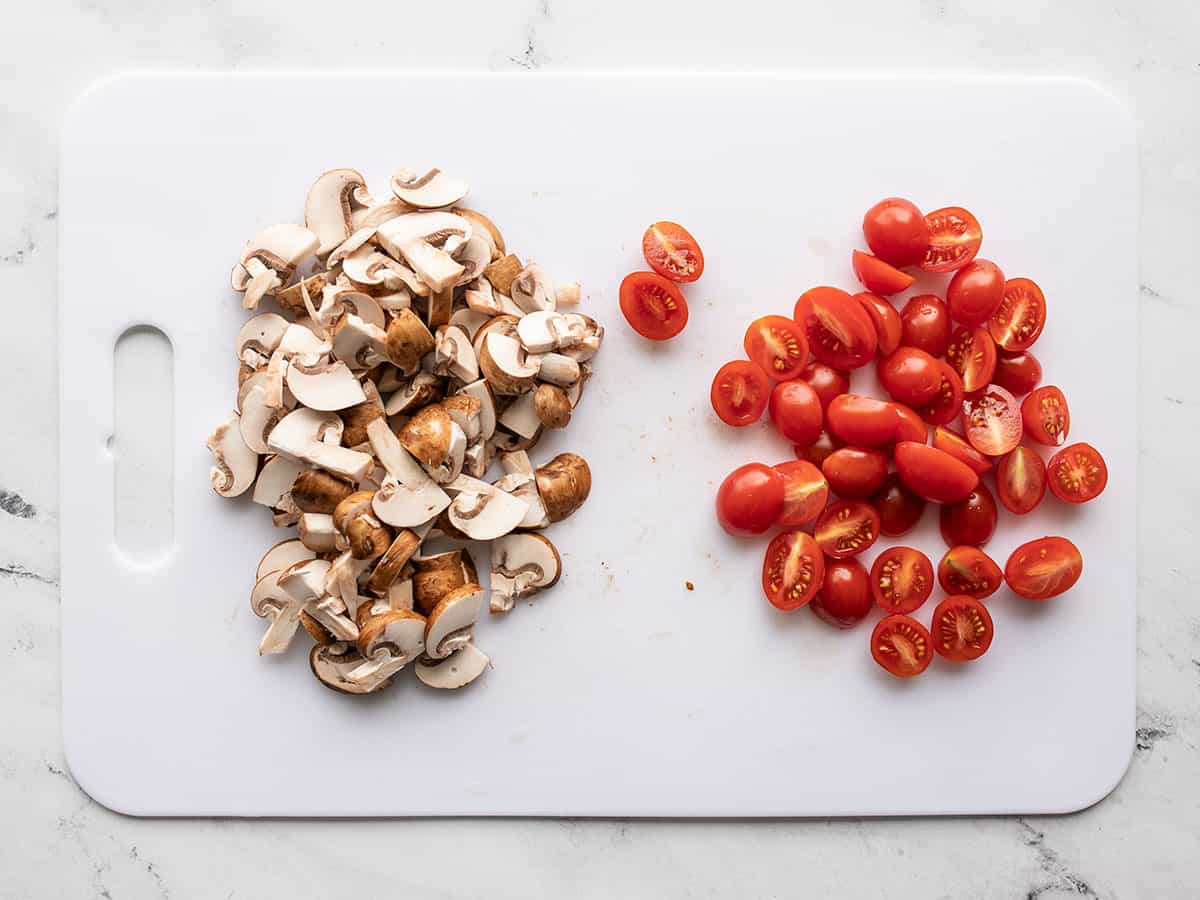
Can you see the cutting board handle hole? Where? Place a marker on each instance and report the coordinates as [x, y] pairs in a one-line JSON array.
[[142, 445]]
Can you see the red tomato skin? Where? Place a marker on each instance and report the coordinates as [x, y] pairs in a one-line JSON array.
[[972, 354], [896, 231], [892, 563], [672, 252], [886, 320], [1020, 480], [845, 595], [805, 492], [653, 306], [1017, 373], [947, 405], [1067, 464], [785, 335], [818, 451], [750, 500], [933, 474], [925, 324], [1046, 417], [753, 380], [911, 376], [839, 331], [991, 420], [1043, 568], [969, 571], [954, 444], [795, 411], [954, 239], [945, 631], [974, 292], [855, 473], [1019, 319], [863, 421], [878, 276], [917, 634], [971, 521], [827, 381], [899, 508], [909, 425], [784, 547]]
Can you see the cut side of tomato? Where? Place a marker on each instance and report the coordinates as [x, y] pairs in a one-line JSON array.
[[672, 252], [911, 376], [902, 646], [899, 508], [777, 345], [1077, 473], [750, 499], [1018, 373], [1021, 480], [739, 393], [950, 442], [972, 354], [992, 420], [795, 411], [962, 628], [845, 597], [862, 421], [954, 239], [877, 276], [846, 528], [925, 324], [805, 492], [1045, 568], [653, 306], [839, 331], [970, 571], [972, 520], [901, 579], [946, 406], [933, 474], [896, 231], [793, 570], [1045, 415], [855, 473], [974, 292], [886, 320], [1019, 319]]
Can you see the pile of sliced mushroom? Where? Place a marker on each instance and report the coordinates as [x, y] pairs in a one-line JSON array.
[[408, 352]]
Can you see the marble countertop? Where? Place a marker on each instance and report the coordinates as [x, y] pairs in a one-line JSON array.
[[1143, 841]]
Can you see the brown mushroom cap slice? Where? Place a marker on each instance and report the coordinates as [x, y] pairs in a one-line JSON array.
[[482, 391], [557, 368], [502, 273], [315, 491], [457, 670], [522, 565], [428, 435], [326, 388], [503, 363], [482, 511], [408, 340], [281, 556], [392, 562], [484, 227], [275, 481], [433, 190], [332, 664], [350, 506], [258, 417], [408, 496], [234, 464], [552, 405], [474, 256], [388, 640], [259, 337], [421, 390], [452, 622], [436, 575], [564, 484], [328, 206]]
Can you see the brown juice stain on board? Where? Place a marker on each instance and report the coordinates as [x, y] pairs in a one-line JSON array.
[[689, 585]]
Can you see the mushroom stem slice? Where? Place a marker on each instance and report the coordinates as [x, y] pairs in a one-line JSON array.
[[482, 511], [328, 207], [457, 670], [452, 621], [282, 556], [532, 289], [522, 565], [433, 190], [332, 663], [235, 465]]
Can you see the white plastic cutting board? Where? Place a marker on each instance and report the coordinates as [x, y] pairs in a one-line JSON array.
[[621, 692]]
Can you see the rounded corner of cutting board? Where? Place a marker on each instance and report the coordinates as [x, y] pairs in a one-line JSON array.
[[87, 770]]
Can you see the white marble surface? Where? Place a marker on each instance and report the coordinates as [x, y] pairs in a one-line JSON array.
[[1143, 841]]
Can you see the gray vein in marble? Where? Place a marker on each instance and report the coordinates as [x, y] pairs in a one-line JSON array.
[[16, 505], [1152, 729], [19, 573], [532, 56], [17, 257], [1060, 876], [151, 870]]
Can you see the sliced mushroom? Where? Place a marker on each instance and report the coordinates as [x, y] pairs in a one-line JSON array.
[[451, 625], [234, 463], [291, 298], [315, 491], [359, 344], [275, 481], [436, 576], [333, 663], [564, 484], [502, 273], [482, 511], [379, 212], [464, 411], [388, 640], [552, 405], [520, 416], [522, 565], [502, 362], [475, 256], [433, 190], [556, 368], [439, 307], [426, 241], [484, 227], [482, 391], [393, 561], [457, 670], [300, 344], [341, 581], [259, 337], [300, 436], [408, 340], [326, 387], [567, 294], [355, 419], [436, 442], [532, 289], [422, 389], [281, 596], [478, 458], [469, 321], [502, 324], [258, 417], [400, 594], [317, 533], [282, 556], [454, 356], [269, 259], [330, 202], [543, 331], [520, 481], [585, 337], [408, 496]]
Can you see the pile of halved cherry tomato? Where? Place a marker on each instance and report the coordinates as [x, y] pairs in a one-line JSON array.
[[962, 358], [652, 302]]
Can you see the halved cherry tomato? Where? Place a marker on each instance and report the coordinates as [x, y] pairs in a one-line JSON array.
[[885, 319], [877, 276], [902, 646], [1018, 373], [855, 473], [925, 324], [861, 420], [845, 597], [992, 420], [793, 570], [952, 443], [795, 411], [805, 492], [1046, 417], [839, 331], [1021, 480], [1045, 568], [909, 425], [1077, 473], [971, 521], [961, 629], [846, 528], [827, 381], [750, 499], [672, 252], [739, 394], [974, 292], [653, 306], [911, 376], [933, 474], [947, 405], [972, 354], [1019, 319], [970, 571], [777, 345], [818, 451], [954, 239], [896, 231], [901, 579], [899, 508]]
